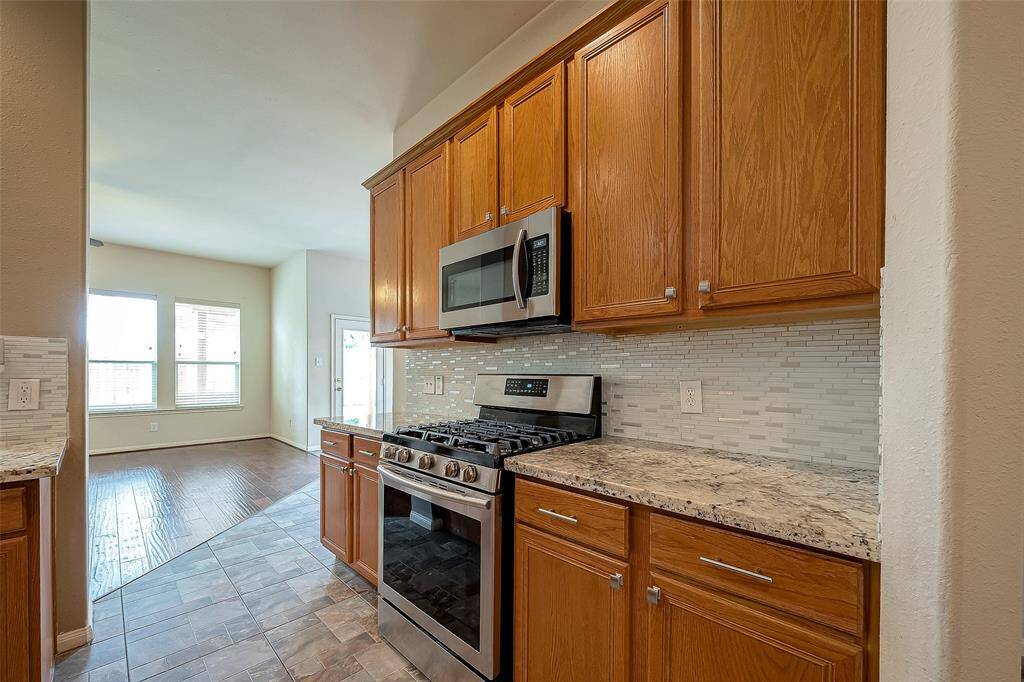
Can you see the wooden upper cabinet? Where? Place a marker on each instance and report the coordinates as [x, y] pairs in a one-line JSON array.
[[533, 147], [790, 176], [427, 226], [474, 158], [627, 222], [387, 277], [571, 614], [695, 634]]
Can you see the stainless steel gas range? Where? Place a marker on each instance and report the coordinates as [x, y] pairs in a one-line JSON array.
[[446, 521]]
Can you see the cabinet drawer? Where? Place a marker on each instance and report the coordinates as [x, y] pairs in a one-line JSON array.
[[803, 583], [13, 510], [365, 451], [580, 518], [339, 444]]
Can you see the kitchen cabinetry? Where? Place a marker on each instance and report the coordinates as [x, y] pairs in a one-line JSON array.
[[533, 146], [26, 581], [790, 127], [475, 176], [427, 230], [348, 500], [707, 603], [387, 259], [627, 128]]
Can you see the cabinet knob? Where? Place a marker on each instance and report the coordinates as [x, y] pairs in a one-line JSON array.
[[703, 287], [654, 595], [670, 293], [504, 210], [405, 328], [616, 580], [488, 216]]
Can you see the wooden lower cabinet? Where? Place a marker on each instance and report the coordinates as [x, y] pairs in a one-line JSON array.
[[14, 611], [348, 503], [364, 522], [696, 634], [572, 612]]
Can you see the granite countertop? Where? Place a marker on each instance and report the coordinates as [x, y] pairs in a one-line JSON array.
[[817, 505], [27, 461], [374, 425]]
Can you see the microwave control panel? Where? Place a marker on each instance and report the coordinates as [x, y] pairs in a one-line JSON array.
[[539, 250]]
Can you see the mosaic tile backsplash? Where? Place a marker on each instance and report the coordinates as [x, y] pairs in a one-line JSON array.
[[807, 391], [27, 357]]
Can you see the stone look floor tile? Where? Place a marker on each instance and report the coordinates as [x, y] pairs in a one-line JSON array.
[[239, 657], [88, 658], [271, 569]]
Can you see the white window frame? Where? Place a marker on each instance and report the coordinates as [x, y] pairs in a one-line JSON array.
[[213, 406], [127, 409]]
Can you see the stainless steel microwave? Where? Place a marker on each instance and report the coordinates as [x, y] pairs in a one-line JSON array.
[[512, 280]]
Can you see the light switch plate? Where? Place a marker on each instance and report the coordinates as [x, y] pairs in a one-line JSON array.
[[23, 394], [438, 384], [428, 385], [690, 397]]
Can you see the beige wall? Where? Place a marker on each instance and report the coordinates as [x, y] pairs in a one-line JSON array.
[[288, 413], [170, 276], [541, 32], [43, 236]]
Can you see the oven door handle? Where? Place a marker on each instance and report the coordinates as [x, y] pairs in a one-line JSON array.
[[519, 269], [430, 491]]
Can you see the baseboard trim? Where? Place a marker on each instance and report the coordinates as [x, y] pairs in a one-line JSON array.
[[66, 641], [180, 444], [294, 444]]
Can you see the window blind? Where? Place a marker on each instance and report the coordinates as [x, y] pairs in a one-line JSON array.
[[122, 333], [207, 340]]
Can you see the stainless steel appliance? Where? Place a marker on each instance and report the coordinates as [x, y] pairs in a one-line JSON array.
[[512, 280], [445, 526]]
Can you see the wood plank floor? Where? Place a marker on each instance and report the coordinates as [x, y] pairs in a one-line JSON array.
[[148, 507]]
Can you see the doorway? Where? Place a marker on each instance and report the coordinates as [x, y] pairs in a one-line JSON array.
[[360, 373]]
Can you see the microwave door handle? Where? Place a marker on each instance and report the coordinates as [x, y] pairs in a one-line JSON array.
[[518, 264]]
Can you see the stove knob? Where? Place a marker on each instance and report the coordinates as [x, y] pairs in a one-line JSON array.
[[404, 455], [469, 474], [388, 452], [451, 469], [425, 461]]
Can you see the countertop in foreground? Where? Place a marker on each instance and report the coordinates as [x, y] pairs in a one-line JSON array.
[[826, 507], [27, 461], [374, 425]]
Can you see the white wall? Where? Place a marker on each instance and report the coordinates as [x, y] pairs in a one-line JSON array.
[[170, 276], [541, 32], [336, 285], [288, 414], [952, 357]]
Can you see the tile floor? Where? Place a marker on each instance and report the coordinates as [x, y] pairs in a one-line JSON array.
[[261, 601], [148, 507]]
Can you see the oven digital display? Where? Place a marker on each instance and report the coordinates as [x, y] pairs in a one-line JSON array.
[[523, 386]]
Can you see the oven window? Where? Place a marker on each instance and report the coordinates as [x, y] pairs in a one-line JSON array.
[[478, 281], [432, 558]]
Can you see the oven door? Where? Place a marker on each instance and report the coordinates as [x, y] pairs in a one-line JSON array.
[[506, 274], [439, 560]]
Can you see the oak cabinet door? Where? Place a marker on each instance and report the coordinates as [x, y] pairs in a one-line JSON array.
[[427, 230], [791, 119], [533, 147], [697, 635], [475, 177], [571, 621], [15, 629], [627, 222], [364, 522], [336, 506], [387, 249]]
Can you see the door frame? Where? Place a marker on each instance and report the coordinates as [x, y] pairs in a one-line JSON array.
[[385, 360]]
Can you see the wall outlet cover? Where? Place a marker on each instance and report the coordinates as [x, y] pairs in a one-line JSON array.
[[438, 384], [23, 394], [690, 397], [154, 427], [428, 385]]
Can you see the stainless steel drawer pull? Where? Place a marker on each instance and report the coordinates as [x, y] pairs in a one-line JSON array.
[[367, 453], [561, 517], [329, 442], [736, 569], [616, 580]]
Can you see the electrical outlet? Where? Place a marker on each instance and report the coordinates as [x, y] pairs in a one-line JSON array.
[[690, 397], [23, 394], [428, 385], [154, 427], [438, 384]]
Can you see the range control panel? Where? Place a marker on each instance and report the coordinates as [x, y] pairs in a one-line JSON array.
[[523, 386]]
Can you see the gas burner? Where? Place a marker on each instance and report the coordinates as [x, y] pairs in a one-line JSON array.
[[499, 438]]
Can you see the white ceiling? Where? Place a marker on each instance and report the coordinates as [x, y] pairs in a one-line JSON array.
[[241, 130]]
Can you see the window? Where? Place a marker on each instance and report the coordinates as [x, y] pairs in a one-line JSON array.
[[207, 354], [122, 351]]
